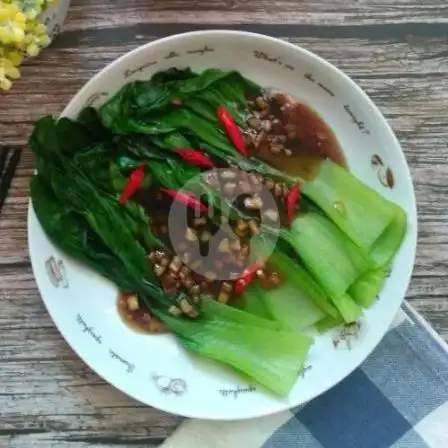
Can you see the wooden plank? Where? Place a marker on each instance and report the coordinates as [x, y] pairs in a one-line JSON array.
[[117, 13], [46, 390]]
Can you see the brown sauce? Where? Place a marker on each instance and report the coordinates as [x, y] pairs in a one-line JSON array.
[[313, 142], [139, 320]]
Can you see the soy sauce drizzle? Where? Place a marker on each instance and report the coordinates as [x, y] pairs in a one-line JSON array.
[[305, 137]]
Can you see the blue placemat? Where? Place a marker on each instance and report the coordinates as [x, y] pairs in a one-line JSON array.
[[397, 399]]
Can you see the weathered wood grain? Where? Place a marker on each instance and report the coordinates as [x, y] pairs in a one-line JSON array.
[[47, 394], [397, 50], [98, 13]]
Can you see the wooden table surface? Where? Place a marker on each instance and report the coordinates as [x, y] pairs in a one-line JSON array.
[[396, 50]]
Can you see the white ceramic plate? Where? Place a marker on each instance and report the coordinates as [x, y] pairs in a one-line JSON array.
[[155, 369]]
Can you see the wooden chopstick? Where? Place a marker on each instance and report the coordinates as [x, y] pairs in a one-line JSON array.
[[7, 171], [4, 152]]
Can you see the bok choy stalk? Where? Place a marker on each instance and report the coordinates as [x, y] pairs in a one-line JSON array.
[[386, 246], [360, 212], [288, 305], [333, 259], [297, 279], [253, 303], [366, 288], [271, 357], [329, 254], [376, 225], [327, 323]]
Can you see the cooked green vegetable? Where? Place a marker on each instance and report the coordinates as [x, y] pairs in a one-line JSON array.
[[297, 304], [366, 289], [332, 259], [96, 222], [253, 303], [71, 232], [327, 323], [349, 309], [138, 105], [386, 246], [271, 357], [290, 306], [170, 114], [360, 212], [335, 261]]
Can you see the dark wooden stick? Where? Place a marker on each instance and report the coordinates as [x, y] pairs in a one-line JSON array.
[[6, 178], [4, 152]]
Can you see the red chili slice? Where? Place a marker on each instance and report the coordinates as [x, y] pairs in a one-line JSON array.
[[195, 157], [291, 202], [232, 130], [185, 198], [133, 184], [246, 279]]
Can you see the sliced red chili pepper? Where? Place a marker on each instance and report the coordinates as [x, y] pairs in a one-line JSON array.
[[240, 286], [246, 279], [133, 184], [195, 157], [232, 130], [291, 202], [185, 198]]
